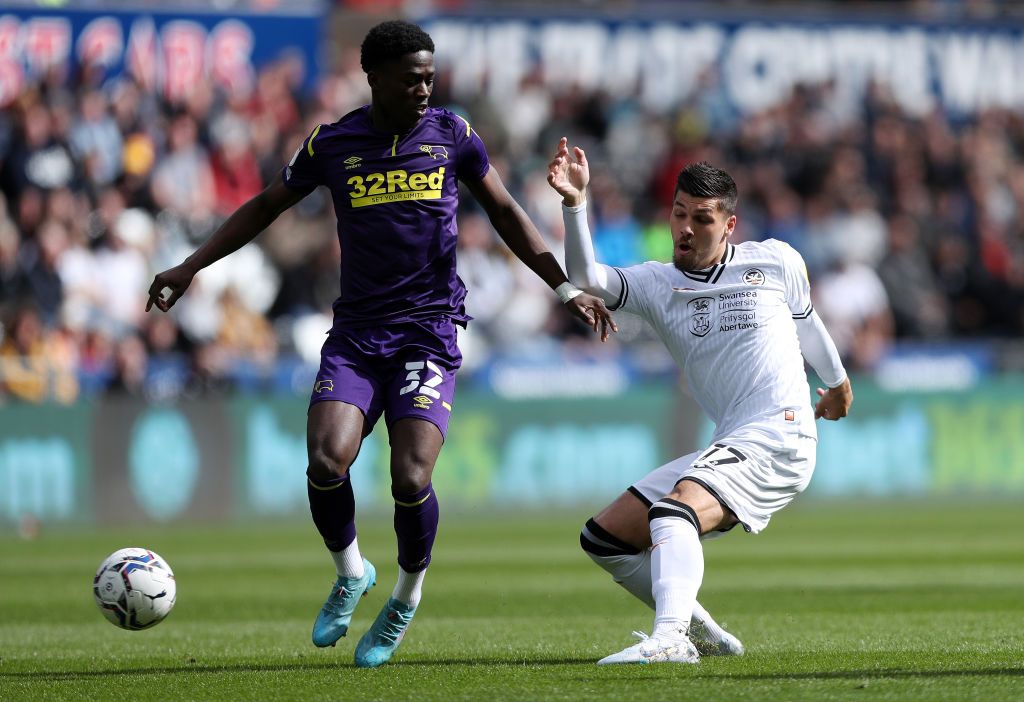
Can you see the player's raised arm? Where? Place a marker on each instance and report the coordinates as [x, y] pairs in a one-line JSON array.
[[569, 175], [518, 232], [239, 229]]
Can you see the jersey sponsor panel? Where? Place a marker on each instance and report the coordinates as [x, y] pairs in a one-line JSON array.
[[377, 188]]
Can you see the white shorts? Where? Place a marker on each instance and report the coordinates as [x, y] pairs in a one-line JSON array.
[[750, 478]]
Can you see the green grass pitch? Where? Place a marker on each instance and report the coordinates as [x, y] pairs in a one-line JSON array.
[[834, 602]]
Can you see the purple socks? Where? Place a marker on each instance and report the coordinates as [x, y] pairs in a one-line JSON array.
[[416, 518], [333, 506]]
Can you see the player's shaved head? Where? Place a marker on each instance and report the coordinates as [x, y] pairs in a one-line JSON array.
[[389, 41], [704, 180]]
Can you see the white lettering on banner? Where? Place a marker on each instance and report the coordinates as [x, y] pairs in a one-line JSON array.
[[977, 71], [12, 75], [141, 61], [231, 44], [101, 42], [9, 31], [176, 58], [184, 44], [46, 43], [572, 53], [37, 478], [758, 64]]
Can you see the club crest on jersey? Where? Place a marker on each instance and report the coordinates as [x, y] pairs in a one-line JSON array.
[[434, 152], [701, 310], [322, 385], [753, 276]]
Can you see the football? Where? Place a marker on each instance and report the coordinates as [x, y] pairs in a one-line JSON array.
[[134, 588]]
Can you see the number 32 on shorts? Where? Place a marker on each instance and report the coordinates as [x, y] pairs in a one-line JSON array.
[[414, 376]]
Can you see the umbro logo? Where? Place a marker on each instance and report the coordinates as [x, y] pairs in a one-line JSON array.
[[352, 162]]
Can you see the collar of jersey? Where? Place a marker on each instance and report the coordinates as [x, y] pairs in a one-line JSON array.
[[712, 274]]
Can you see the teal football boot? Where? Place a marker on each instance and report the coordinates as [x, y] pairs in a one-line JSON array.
[[332, 622], [379, 643]]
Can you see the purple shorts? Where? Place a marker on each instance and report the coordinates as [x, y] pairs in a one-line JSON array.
[[401, 370]]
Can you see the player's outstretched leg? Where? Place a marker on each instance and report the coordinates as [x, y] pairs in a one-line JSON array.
[[630, 567], [335, 616]]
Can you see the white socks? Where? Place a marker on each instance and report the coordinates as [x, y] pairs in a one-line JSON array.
[[349, 564], [677, 569], [409, 586], [348, 561]]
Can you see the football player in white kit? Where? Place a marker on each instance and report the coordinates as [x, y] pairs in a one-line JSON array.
[[739, 322]]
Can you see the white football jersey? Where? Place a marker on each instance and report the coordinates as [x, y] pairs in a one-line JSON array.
[[730, 328]]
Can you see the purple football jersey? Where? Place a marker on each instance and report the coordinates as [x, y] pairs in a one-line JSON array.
[[395, 196]]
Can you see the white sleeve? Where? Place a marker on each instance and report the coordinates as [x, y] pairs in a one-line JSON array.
[[820, 351], [798, 289], [580, 263]]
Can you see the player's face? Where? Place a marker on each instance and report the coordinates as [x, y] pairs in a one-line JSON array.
[[700, 230], [401, 88]]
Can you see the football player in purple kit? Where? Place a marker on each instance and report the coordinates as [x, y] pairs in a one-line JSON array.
[[393, 168]]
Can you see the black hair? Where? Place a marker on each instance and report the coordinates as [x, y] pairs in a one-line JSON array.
[[704, 180], [392, 40]]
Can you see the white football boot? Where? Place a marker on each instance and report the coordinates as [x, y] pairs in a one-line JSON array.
[[709, 644], [655, 649]]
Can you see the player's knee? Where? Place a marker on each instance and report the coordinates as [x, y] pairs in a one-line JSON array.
[[606, 549], [409, 477], [666, 507], [411, 473], [326, 465]]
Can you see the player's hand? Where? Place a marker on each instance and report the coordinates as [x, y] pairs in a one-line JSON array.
[[569, 174], [592, 310], [176, 280], [835, 402]]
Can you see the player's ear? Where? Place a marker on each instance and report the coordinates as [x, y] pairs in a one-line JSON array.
[[730, 224]]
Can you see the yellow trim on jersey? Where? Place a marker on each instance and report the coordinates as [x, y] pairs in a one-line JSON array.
[[417, 503], [395, 197], [394, 146], [467, 123], [309, 144]]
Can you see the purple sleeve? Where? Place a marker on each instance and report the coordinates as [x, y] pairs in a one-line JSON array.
[[303, 171], [472, 163]]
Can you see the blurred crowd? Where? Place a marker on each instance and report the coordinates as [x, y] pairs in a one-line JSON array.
[[910, 225]]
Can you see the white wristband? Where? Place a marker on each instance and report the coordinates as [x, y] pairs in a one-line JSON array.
[[567, 291]]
